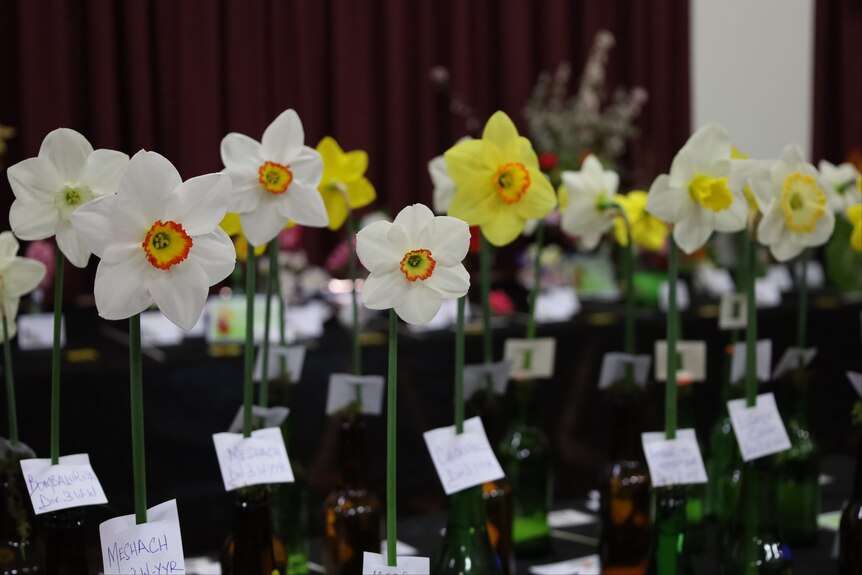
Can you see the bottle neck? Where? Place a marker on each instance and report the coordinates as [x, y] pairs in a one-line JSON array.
[[798, 381], [685, 403], [759, 506], [467, 510], [626, 426], [251, 520], [524, 393], [351, 449]]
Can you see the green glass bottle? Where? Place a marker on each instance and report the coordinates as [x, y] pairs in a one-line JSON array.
[[724, 463], [20, 548], [65, 542], [466, 546], [696, 493], [850, 530], [252, 548], [670, 554]]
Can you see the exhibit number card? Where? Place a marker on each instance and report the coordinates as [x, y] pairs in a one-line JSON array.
[[531, 357], [691, 362], [673, 461], [256, 460], [343, 390], [779, 276], [70, 483], [790, 360], [733, 311], [759, 430], [149, 548], [682, 298], [716, 282], [557, 304], [614, 368], [36, 331], [475, 377], [295, 356], [271, 417], [764, 360], [462, 460], [375, 564]]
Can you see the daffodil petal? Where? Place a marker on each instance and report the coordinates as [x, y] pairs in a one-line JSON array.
[[384, 291], [307, 167], [502, 133], [771, 226], [477, 209], [539, 200], [147, 171], [413, 220], [180, 293], [375, 251], [239, 152], [692, 232], [120, 288], [200, 203], [34, 180], [264, 223], [102, 171], [665, 201], [527, 154], [786, 248], [336, 206], [503, 228], [735, 217], [8, 249], [22, 276], [72, 245], [303, 204], [709, 142], [822, 231], [683, 169], [246, 193], [230, 224], [419, 306], [283, 139], [33, 220], [100, 225], [447, 238], [67, 150], [450, 282], [354, 164], [330, 153], [360, 193], [215, 254]]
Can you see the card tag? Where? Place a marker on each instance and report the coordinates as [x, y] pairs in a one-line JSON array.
[[855, 381], [464, 460], [70, 483], [733, 311], [447, 316], [759, 430], [159, 331], [152, 547], [531, 358], [557, 304], [764, 360], [343, 392], [673, 461], [779, 276], [259, 459], [691, 362], [271, 416], [790, 360], [295, 356], [682, 298], [589, 565], [766, 293], [614, 368], [813, 274], [562, 518], [716, 282], [401, 548], [36, 331], [375, 564], [307, 320], [475, 377]]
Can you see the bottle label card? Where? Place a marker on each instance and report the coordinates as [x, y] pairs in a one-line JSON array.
[[813, 274], [476, 377], [779, 276], [401, 548], [294, 356], [691, 360], [149, 548], [345, 389], [673, 461], [70, 483], [764, 360], [759, 430], [563, 518], [614, 368], [589, 565], [791, 359], [36, 331], [682, 298], [256, 460], [557, 304], [531, 358], [465, 460], [733, 311], [766, 293], [716, 282], [855, 381], [375, 564], [270, 416], [159, 331]]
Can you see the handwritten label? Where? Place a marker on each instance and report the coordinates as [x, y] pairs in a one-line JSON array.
[[759, 430], [589, 565], [531, 357], [293, 355], [673, 461], [855, 381], [36, 331], [259, 459], [557, 304], [791, 360], [766, 293], [733, 311], [691, 362], [476, 377], [375, 564], [614, 368], [764, 360], [562, 518], [70, 483], [779, 276], [270, 416], [345, 389], [716, 282], [151, 548], [682, 298], [464, 460]]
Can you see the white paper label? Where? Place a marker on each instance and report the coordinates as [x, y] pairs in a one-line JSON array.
[[159, 331], [476, 377], [446, 317], [271, 417], [790, 360], [813, 273], [673, 461], [855, 381], [691, 362], [766, 293], [531, 357], [716, 282], [589, 565], [401, 548], [256, 460], [295, 356], [464, 460], [682, 298], [375, 564], [779, 276], [733, 312], [614, 368], [557, 304], [70, 483], [36, 331], [149, 548], [764, 360], [345, 389], [759, 430], [562, 518]]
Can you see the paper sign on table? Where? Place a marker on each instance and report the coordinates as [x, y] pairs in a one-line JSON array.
[[557, 304], [476, 377], [295, 356], [259, 459], [343, 389], [855, 381], [691, 361], [531, 357], [152, 547], [375, 564], [159, 331], [716, 282], [446, 317], [271, 416], [764, 360], [766, 293], [733, 311], [589, 565], [614, 368], [673, 461], [813, 273], [759, 430], [36, 331], [562, 518], [464, 460], [70, 483], [682, 298], [790, 360], [307, 320], [779, 275]]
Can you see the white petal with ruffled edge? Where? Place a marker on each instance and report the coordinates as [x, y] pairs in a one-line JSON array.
[[691, 233], [239, 153], [199, 203], [303, 204], [283, 138], [72, 245], [152, 172], [22, 276], [264, 223], [215, 254], [375, 251], [67, 150], [34, 180], [386, 290], [449, 282], [102, 171], [120, 287], [180, 292], [419, 306], [8, 249], [447, 238]]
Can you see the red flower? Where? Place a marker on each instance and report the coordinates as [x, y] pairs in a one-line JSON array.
[[548, 161], [475, 237]]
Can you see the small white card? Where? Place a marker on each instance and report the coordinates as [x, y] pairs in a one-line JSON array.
[[766, 293], [764, 360], [733, 311], [614, 368], [813, 273], [475, 377], [295, 356], [446, 318], [375, 564], [531, 357], [716, 282], [401, 548], [691, 362], [562, 518], [557, 304], [759, 430], [70, 483], [855, 381], [682, 298], [465, 460], [259, 459], [271, 416], [673, 461], [589, 565], [790, 360], [36, 331], [779, 275], [344, 387], [159, 331], [152, 547]]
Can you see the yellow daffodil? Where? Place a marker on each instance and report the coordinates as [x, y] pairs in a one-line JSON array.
[[499, 183], [647, 231], [854, 214], [343, 186]]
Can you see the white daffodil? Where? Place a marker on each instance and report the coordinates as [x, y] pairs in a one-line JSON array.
[[590, 193], [444, 187], [794, 204], [698, 196], [414, 263], [274, 180], [18, 276], [159, 241], [66, 174], [839, 185]]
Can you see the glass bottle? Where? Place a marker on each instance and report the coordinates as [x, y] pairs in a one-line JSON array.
[[466, 546], [252, 548], [723, 464], [695, 493], [670, 554], [65, 542], [20, 548], [624, 540], [352, 511], [850, 530]]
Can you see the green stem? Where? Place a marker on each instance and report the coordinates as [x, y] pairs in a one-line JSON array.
[[248, 388], [802, 317], [59, 261], [750, 251], [485, 293], [391, 528], [263, 395], [670, 418], [459, 368], [629, 341], [537, 279], [10, 384], [139, 462], [282, 326], [357, 348]]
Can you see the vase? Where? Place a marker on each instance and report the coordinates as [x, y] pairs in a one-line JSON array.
[[252, 548], [21, 549], [466, 546]]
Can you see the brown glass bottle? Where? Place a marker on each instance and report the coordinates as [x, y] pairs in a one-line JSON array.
[[850, 531], [252, 548], [20, 551], [352, 511], [65, 543]]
